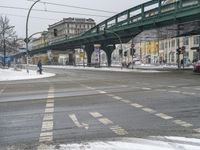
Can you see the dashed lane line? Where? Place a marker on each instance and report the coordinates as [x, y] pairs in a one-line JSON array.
[[146, 88], [149, 110], [46, 134], [164, 116], [136, 105], [117, 97], [101, 92], [105, 121], [114, 128], [174, 91], [96, 114], [197, 130], [182, 123], [125, 101], [171, 86]]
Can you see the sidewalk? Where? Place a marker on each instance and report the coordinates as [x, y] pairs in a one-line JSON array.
[[144, 68], [11, 74]]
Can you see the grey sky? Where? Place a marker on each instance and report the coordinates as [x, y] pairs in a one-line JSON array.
[[18, 19]]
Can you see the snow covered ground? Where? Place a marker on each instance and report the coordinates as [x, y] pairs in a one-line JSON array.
[[153, 143], [113, 69], [11, 74]]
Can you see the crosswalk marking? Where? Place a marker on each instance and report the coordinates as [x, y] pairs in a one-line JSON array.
[[48, 117], [197, 130]]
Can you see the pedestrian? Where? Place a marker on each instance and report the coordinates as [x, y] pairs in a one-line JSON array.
[[39, 66]]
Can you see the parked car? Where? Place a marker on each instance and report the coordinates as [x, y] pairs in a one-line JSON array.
[[196, 66]]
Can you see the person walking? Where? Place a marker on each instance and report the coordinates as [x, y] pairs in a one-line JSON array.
[[39, 66]]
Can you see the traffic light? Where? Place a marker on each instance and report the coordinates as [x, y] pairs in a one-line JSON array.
[[125, 53]]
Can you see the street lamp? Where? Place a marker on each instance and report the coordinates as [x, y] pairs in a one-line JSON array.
[[27, 40], [121, 49]]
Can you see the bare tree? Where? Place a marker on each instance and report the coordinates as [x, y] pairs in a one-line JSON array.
[[7, 36]]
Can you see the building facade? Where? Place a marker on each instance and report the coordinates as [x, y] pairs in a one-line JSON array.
[[69, 27]]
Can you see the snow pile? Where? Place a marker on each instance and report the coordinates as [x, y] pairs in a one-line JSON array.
[[157, 143], [11, 74]]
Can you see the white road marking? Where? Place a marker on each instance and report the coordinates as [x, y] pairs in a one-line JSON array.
[[164, 116], [174, 91], [197, 89], [136, 105], [46, 139], [77, 123], [161, 90], [197, 130], [101, 92], [49, 105], [105, 121], [146, 88], [182, 123], [48, 117], [111, 95], [118, 130], [126, 101], [124, 86], [91, 88], [149, 110], [117, 97], [46, 134], [96, 114], [2, 91], [171, 86], [188, 93], [49, 110]]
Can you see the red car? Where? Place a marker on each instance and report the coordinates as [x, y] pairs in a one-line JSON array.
[[196, 66]]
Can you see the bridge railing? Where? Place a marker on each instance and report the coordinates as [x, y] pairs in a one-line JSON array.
[[142, 12]]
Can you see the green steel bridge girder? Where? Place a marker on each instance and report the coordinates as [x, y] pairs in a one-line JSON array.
[[128, 28]]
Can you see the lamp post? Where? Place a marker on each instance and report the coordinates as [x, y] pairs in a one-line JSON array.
[[27, 40], [121, 48]]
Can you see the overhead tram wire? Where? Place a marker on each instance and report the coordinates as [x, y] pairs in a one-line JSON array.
[[52, 11], [76, 7], [41, 18]]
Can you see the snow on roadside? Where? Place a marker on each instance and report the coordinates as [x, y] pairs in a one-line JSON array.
[[159, 143], [102, 69], [11, 74]]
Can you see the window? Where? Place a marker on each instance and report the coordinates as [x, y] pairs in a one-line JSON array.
[[196, 40], [173, 43], [186, 41]]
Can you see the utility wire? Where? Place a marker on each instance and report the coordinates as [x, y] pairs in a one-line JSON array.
[[30, 17], [52, 11], [77, 7]]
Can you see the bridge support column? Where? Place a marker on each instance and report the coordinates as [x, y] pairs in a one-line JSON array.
[[108, 50], [89, 50]]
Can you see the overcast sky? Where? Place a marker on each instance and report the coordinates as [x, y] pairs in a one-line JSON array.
[[39, 21]]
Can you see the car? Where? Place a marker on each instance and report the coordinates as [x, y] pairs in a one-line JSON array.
[[196, 66]]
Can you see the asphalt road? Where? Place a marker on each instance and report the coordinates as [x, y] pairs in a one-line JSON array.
[[78, 105]]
